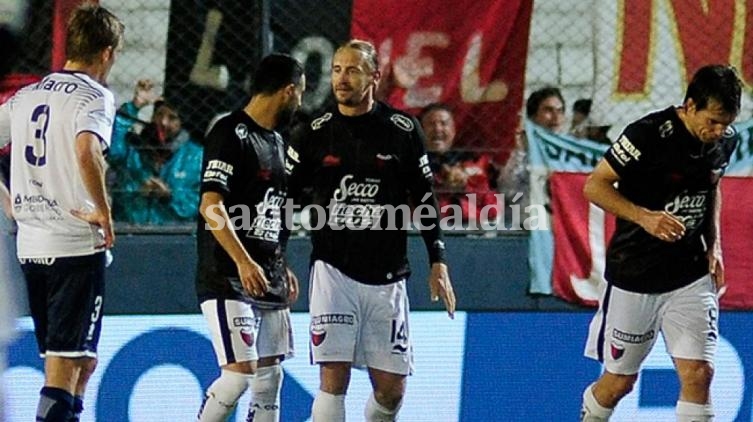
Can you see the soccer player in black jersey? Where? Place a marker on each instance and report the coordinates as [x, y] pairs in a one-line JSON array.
[[242, 282], [664, 263], [364, 163]]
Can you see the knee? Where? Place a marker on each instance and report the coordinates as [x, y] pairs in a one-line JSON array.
[[696, 376], [611, 388], [245, 368], [334, 377], [390, 397]]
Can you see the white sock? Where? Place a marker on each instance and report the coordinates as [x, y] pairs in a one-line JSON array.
[[265, 394], [328, 408], [222, 396], [591, 410], [375, 412], [694, 412]]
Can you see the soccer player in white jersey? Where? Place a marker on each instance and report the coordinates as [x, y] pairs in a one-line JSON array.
[[59, 128]]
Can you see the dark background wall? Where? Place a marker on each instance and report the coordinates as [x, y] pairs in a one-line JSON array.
[[154, 274]]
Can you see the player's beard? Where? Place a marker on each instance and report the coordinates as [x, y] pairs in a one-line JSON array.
[[351, 98], [285, 116]]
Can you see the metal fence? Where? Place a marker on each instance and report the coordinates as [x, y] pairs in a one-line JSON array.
[[627, 56]]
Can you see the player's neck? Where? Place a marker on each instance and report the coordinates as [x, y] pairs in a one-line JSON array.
[[95, 71], [263, 110]]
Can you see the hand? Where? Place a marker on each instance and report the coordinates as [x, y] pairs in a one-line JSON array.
[[144, 93], [662, 225], [293, 283], [154, 186], [100, 219], [440, 286], [252, 278], [716, 269], [456, 176]]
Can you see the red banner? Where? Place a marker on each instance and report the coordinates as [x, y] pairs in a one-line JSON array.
[[477, 65], [582, 231]]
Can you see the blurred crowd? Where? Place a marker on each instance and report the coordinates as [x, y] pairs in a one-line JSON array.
[[155, 163]]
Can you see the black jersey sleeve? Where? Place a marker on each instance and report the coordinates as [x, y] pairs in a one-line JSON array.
[[421, 193], [627, 154], [221, 155]]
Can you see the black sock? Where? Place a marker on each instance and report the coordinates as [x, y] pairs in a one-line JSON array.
[[55, 405], [78, 407]]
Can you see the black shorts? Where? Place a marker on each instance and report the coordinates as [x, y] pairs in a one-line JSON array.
[[65, 300]]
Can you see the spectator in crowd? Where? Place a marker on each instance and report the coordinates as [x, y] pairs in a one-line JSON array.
[[596, 128], [581, 111], [546, 108], [458, 175], [157, 171]]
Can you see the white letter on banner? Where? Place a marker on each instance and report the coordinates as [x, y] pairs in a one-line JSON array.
[[203, 73], [411, 67], [470, 84], [589, 288], [305, 48]]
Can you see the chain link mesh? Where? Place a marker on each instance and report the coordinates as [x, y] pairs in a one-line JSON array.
[[200, 53]]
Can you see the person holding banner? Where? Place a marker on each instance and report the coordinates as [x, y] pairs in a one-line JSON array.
[[664, 267]]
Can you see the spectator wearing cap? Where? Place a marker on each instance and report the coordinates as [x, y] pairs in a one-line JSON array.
[[157, 170]]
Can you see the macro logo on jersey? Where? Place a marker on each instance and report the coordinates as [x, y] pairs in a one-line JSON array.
[[690, 208], [354, 203], [39, 205], [624, 151], [218, 171], [666, 129], [241, 131], [402, 122], [268, 221], [317, 123], [291, 159]]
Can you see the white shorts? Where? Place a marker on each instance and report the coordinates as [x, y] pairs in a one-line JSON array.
[[242, 333], [625, 327], [359, 323]]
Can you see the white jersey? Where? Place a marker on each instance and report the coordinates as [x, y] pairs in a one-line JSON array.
[[42, 121]]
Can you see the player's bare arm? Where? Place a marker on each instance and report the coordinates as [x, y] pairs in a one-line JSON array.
[[93, 168], [600, 189], [293, 282], [5, 202], [441, 286], [212, 209], [716, 263]]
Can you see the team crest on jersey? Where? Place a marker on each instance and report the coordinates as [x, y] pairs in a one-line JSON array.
[[666, 129], [402, 122], [617, 351], [318, 336], [241, 131], [317, 123], [248, 337]]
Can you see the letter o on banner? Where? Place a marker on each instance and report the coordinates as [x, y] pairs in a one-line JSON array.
[[188, 349]]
